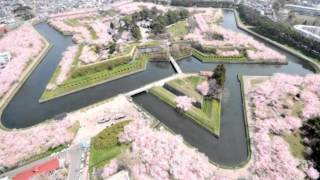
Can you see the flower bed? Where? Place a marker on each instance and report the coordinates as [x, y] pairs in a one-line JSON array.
[[24, 44]]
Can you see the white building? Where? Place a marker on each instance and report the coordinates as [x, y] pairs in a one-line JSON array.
[[312, 32], [5, 57]]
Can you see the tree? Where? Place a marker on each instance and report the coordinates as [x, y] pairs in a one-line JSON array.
[[135, 30], [219, 74], [111, 25], [276, 6], [112, 47], [311, 130]]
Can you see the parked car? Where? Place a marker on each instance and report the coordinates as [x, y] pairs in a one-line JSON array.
[[103, 120]]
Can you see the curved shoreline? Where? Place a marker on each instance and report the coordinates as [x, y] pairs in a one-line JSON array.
[[25, 75], [289, 50]]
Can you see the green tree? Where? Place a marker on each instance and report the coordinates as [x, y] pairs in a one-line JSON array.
[[311, 130], [135, 30], [112, 47], [219, 74]]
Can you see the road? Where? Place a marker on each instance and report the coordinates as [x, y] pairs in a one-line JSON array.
[[71, 154], [31, 165], [75, 153]]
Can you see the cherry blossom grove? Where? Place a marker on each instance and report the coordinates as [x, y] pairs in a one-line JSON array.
[[65, 64], [184, 102], [24, 44], [228, 53], [33, 141], [273, 102], [161, 155], [88, 55], [82, 32], [235, 39]]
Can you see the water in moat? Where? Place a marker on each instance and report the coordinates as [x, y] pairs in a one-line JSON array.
[[24, 110], [230, 148]]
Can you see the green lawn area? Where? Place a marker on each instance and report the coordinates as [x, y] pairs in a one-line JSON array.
[[91, 79], [100, 157], [178, 29], [75, 127], [105, 145], [72, 22], [185, 88], [295, 144], [92, 32], [208, 118], [296, 109]]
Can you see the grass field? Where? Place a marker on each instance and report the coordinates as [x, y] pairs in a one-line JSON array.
[[105, 145], [295, 144], [178, 29]]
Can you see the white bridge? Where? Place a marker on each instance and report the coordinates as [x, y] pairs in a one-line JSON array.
[[175, 65], [161, 82]]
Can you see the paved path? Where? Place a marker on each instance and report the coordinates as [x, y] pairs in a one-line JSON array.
[[75, 153]]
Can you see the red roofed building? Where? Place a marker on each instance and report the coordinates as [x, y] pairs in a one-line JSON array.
[[42, 168]]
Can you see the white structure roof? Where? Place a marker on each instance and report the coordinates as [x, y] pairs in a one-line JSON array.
[[5, 57], [122, 175]]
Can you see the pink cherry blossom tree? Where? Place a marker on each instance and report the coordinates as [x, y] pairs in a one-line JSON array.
[[203, 88], [184, 102], [24, 44]]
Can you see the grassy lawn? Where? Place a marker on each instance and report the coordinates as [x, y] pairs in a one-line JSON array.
[[100, 157], [183, 53], [296, 109], [105, 145], [295, 146], [213, 109], [185, 88], [178, 29], [91, 79], [75, 127], [72, 22], [209, 119]]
